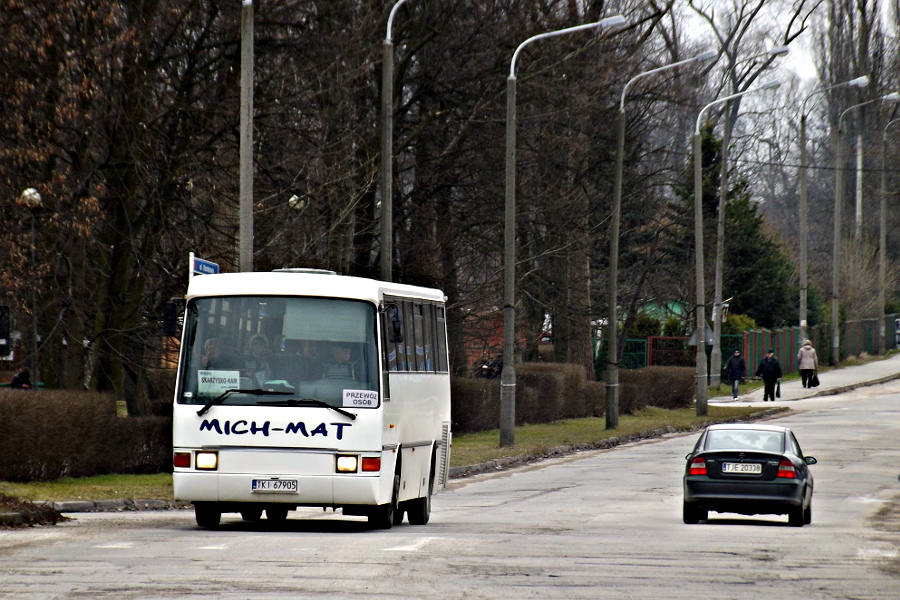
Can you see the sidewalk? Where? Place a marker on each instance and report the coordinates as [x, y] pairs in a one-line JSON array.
[[834, 381]]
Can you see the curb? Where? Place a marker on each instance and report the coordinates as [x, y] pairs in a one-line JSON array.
[[79, 506], [11, 519], [493, 466], [840, 389]]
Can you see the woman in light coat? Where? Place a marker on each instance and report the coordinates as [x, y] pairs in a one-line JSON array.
[[808, 362]]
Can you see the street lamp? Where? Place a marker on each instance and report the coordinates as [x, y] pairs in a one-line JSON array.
[[31, 199], [508, 375], [882, 241], [387, 149], [612, 352], [715, 359], [702, 408], [245, 209], [838, 203], [859, 82]]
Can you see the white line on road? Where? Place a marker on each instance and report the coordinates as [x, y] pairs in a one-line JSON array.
[[414, 547]]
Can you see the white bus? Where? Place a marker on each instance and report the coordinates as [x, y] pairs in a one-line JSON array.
[[305, 388]]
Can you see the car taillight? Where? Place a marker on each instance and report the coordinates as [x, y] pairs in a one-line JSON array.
[[182, 460], [786, 469], [698, 466]]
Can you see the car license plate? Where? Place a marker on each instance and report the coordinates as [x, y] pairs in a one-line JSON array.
[[274, 486], [742, 468]]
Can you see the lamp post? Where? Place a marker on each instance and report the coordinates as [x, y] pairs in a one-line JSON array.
[[245, 211], [838, 204], [508, 375], [702, 408], [882, 241], [715, 359], [31, 199], [612, 353], [387, 150], [859, 82]]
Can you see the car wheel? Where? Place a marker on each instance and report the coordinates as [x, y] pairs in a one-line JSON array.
[[276, 514], [796, 516], [207, 514], [807, 514], [251, 514], [692, 513]]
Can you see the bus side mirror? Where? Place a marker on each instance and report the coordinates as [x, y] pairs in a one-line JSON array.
[[170, 318], [395, 324]]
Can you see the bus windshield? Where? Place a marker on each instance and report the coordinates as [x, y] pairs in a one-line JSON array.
[[308, 349]]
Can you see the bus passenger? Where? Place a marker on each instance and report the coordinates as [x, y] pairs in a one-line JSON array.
[[311, 366], [341, 366], [212, 352], [258, 361]]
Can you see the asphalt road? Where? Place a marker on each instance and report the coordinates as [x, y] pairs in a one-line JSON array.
[[603, 524]]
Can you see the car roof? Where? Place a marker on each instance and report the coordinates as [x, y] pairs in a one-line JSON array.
[[747, 427]]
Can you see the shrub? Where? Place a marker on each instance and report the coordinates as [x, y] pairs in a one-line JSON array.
[[674, 327], [550, 392], [737, 324], [51, 434], [645, 326], [663, 387]]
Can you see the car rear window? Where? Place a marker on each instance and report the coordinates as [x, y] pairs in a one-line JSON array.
[[768, 441]]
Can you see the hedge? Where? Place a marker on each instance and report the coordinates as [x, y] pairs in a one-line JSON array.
[[548, 392], [51, 434]]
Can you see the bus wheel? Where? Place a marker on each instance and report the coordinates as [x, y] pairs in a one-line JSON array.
[[207, 514], [384, 516], [276, 514], [251, 514], [418, 511]]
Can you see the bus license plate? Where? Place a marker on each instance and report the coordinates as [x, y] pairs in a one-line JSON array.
[[744, 468], [274, 486]]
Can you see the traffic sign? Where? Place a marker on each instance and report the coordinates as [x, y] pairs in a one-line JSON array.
[[200, 266]]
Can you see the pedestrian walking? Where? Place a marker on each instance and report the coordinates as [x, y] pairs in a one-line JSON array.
[[807, 362], [736, 371], [770, 370]]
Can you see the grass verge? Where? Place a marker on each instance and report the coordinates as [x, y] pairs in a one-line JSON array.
[[468, 449], [102, 487], [480, 447]]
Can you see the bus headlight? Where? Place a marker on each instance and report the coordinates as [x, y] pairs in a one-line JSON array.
[[347, 464], [208, 461]]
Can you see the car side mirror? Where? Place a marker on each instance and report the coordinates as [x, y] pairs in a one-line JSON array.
[[810, 460], [690, 454]]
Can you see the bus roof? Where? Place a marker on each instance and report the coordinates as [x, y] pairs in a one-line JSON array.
[[300, 283]]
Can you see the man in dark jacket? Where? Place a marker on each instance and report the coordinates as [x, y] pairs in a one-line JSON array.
[[735, 370], [770, 370]]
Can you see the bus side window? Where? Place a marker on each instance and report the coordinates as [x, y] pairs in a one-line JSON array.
[[395, 355], [419, 320], [429, 337], [441, 338], [409, 341]]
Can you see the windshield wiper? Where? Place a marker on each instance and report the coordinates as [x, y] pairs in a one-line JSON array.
[[221, 397], [308, 402]]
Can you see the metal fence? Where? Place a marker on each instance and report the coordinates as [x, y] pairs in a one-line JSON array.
[[857, 337]]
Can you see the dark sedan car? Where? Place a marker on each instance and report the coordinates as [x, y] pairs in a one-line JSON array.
[[748, 469]]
